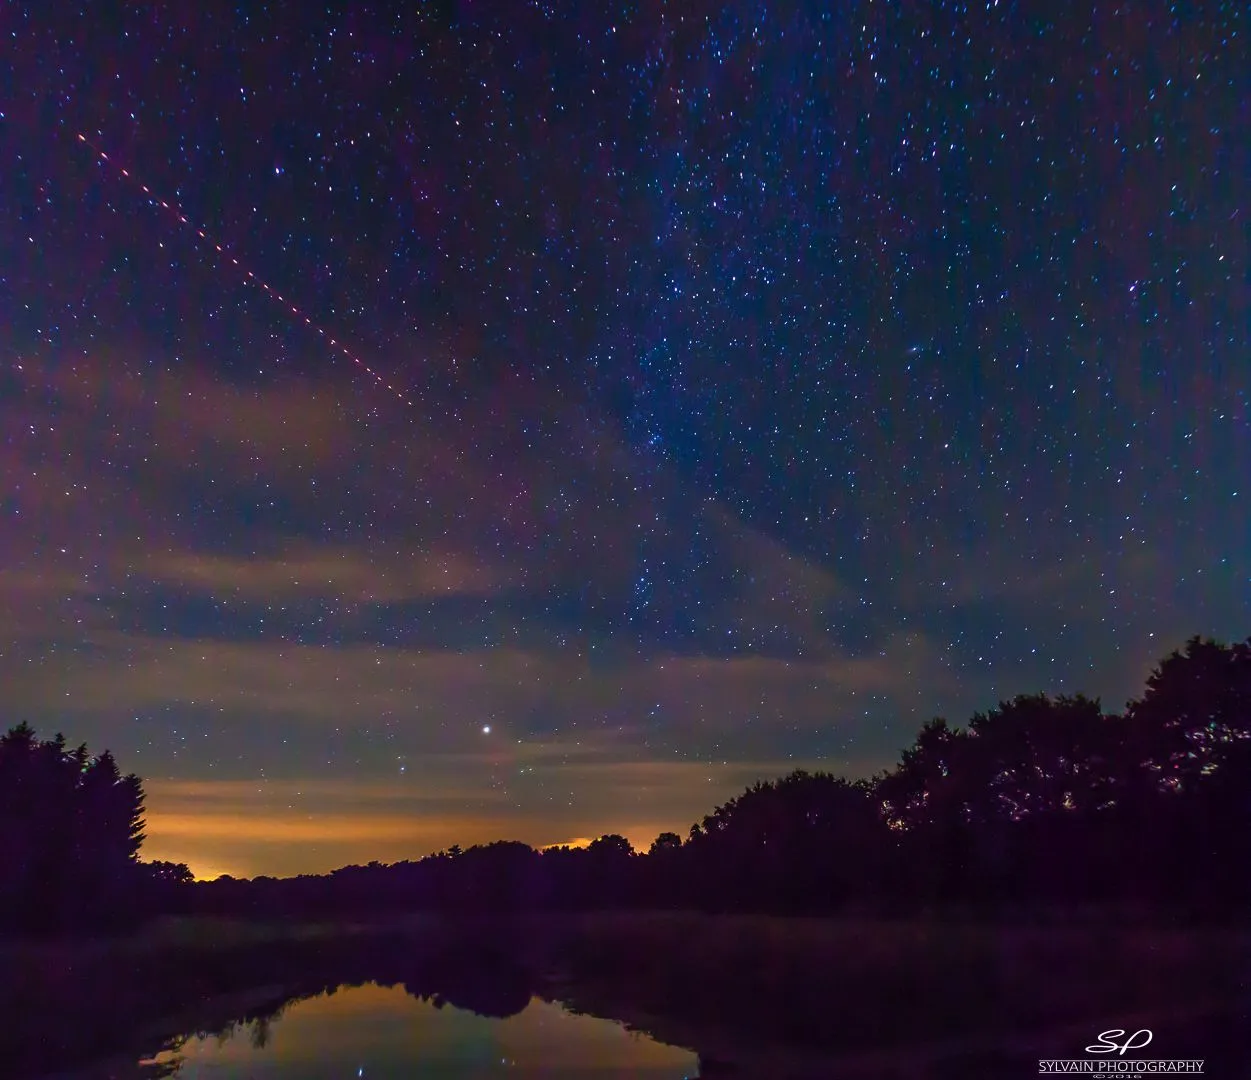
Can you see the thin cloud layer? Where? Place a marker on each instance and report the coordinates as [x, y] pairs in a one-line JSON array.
[[311, 825], [462, 615]]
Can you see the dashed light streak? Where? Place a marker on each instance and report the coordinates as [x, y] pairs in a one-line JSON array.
[[248, 276]]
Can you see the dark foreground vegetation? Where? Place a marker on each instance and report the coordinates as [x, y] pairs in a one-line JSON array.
[[1040, 804], [1046, 864], [751, 995]]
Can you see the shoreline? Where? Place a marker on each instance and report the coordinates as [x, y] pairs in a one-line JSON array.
[[791, 997]]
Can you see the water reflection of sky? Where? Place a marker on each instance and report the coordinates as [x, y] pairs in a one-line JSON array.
[[375, 1033]]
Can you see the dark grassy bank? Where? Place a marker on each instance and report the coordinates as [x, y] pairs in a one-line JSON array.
[[762, 990], [69, 1004], [751, 990]]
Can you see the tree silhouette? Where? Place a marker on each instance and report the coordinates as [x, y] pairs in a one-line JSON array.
[[1036, 755], [666, 842], [70, 831], [1195, 716], [610, 846], [1187, 814], [800, 843], [1027, 805]]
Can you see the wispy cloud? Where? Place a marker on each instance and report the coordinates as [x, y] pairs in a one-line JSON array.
[[315, 824], [354, 575], [387, 602]]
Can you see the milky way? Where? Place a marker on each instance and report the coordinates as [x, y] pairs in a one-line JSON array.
[[781, 376]]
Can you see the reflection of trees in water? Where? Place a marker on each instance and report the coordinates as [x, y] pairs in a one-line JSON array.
[[106, 1005], [254, 1025], [257, 1030], [491, 986], [680, 1004]]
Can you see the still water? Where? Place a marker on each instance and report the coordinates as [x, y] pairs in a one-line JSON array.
[[383, 1033]]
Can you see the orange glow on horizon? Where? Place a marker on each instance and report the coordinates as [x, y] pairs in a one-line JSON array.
[[314, 825], [241, 845]]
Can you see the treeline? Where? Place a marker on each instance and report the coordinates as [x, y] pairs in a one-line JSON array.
[[71, 826], [1042, 801]]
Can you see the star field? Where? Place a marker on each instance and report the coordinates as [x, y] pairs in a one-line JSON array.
[[781, 376]]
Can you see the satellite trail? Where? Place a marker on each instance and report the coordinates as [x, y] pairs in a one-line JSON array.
[[248, 276]]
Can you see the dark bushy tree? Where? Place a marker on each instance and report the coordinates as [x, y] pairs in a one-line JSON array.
[[1188, 749], [70, 831], [806, 842], [1195, 717]]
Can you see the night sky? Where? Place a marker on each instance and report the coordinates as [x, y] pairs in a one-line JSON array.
[[766, 379]]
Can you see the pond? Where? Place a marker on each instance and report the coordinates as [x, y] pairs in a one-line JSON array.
[[480, 999], [376, 1032]]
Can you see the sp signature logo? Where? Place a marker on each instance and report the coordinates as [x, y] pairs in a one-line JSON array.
[[1116, 1041]]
